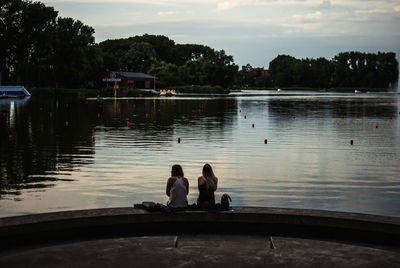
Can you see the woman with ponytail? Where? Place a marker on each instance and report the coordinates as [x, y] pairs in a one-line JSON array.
[[207, 185]]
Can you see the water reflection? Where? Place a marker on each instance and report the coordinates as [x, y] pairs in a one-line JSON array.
[[53, 163]]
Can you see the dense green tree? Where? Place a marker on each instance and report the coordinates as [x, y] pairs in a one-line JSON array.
[[167, 74], [139, 57], [75, 57], [26, 30]]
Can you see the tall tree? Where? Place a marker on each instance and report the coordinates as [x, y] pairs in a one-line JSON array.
[[74, 53], [25, 32]]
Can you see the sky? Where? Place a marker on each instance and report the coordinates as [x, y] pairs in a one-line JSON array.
[[252, 31]]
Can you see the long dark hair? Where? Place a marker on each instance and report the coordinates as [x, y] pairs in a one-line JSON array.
[[176, 171], [211, 180]]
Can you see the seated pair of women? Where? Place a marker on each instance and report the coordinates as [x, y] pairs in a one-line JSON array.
[[178, 188]]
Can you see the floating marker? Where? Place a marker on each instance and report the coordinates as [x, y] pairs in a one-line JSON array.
[[10, 137], [127, 123], [195, 116], [252, 125], [376, 126], [294, 117], [265, 141], [98, 115], [66, 123], [179, 140], [93, 139], [140, 94], [342, 117], [51, 114], [240, 111], [6, 123], [245, 117], [119, 110], [190, 125], [199, 111], [351, 142], [147, 115]]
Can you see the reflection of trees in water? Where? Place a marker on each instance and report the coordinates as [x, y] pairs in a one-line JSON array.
[[341, 107], [157, 118], [42, 147]]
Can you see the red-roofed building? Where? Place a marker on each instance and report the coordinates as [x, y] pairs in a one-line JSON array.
[[128, 79], [260, 71]]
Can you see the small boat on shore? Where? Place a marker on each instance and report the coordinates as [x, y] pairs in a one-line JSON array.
[[13, 92]]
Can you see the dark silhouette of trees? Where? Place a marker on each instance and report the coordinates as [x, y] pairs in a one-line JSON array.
[[39, 49], [346, 70]]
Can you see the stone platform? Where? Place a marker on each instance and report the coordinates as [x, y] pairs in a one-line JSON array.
[[242, 237]]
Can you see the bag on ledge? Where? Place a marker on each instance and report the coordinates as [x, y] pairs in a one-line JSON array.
[[225, 198]]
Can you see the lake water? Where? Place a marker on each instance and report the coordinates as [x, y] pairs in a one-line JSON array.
[[78, 154]]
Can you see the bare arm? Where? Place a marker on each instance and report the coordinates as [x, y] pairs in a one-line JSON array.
[[200, 181], [170, 182], [187, 185]]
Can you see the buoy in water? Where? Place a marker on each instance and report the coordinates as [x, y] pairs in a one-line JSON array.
[[119, 110], [252, 125], [66, 123], [10, 137], [245, 117], [51, 114], [127, 123], [93, 139], [376, 126], [265, 141], [140, 94], [351, 142], [98, 115], [147, 115], [179, 140], [190, 125]]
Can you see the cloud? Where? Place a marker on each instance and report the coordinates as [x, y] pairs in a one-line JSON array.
[[325, 4], [166, 13]]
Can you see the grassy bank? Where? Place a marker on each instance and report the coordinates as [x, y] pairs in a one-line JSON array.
[[86, 92], [195, 89], [344, 90]]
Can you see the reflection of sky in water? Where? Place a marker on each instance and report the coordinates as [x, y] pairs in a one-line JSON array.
[[307, 163]]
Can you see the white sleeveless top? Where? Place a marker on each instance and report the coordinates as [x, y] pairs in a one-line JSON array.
[[178, 197]]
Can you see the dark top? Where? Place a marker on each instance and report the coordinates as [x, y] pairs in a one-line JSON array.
[[206, 196]]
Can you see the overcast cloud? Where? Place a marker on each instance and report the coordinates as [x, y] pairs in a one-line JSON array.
[[253, 31]]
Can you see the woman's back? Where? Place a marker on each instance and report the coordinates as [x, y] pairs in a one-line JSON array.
[[178, 192], [206, 193]]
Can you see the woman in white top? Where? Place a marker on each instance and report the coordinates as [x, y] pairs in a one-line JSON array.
[[177, 188]]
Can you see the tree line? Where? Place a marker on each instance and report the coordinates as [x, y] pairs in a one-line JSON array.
[[40, 49]]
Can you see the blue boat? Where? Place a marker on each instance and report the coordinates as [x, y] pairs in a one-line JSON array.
[[13, 92]]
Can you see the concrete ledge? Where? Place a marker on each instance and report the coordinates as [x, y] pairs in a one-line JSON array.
[[123, 222]]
